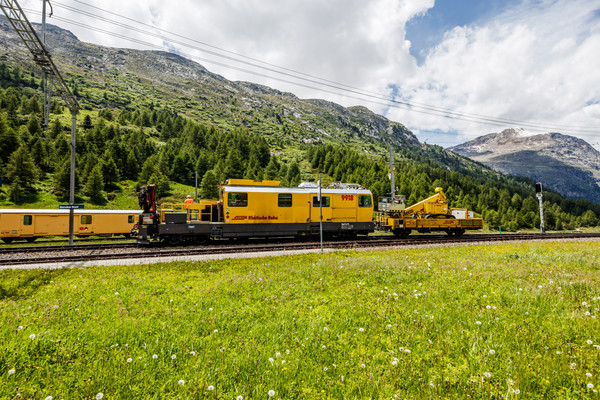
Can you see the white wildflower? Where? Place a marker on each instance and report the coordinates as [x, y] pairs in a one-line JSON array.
[[32, 336], [487, 374], [181, 382], [99, 395], [155, 356], [271, 393], [210, 387]]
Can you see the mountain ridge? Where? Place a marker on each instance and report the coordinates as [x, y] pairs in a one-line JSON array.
[[567, 164]]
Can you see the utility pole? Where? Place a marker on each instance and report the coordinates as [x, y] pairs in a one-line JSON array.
[[47, 86], [539, 195], [42, 58], [320, 214], [392, 175]]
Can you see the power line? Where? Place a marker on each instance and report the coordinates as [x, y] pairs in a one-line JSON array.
[[345, 89]]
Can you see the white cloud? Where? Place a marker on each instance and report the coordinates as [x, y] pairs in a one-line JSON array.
[[537, 63]]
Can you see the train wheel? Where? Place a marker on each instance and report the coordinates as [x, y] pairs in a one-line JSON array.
[[459, 232], [30, 239], [449, 232], [173, 240], [8, 240]]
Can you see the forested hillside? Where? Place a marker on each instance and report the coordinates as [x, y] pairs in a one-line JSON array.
[[122, 148]]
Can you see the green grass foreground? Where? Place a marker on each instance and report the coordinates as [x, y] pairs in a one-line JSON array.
[[504, 321]]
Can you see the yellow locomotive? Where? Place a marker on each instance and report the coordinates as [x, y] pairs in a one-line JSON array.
[[30, 224], [261, 208], [430, 215]]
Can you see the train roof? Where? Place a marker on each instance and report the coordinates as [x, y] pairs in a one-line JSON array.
[[55, 211], [276, 189]]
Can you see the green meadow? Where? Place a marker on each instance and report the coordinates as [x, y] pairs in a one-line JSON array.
[[510, 321]]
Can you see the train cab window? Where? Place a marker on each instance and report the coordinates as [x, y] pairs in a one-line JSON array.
[[86, 219], [325, 201], [284, 200], [27, 219], [131, 219], [237, 200], [364, 200]]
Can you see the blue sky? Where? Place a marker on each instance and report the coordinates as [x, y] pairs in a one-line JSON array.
[[427, 30]]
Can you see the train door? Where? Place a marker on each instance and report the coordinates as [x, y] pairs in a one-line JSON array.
[[51, 224], [85, 225], [27, 226], [326, 207]]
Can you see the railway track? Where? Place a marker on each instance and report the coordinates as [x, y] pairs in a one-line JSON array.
[[93, 252]]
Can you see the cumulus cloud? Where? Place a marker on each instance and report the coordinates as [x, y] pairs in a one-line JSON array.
[[537, 63]]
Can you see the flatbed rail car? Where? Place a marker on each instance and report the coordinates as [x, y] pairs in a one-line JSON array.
[[30, 224], [253, 208], [430, 215]]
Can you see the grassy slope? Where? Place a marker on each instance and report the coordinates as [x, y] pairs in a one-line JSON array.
[[347, 325]]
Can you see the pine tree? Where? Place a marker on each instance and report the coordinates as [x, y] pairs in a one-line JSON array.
[[209, 187], [21, 167], [95, 184]]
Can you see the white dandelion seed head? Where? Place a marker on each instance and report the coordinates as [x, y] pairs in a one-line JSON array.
[[516, 391], [488, 306], [181, 382], [589, 375], [49, 398], [210, 309], [584, 304], [32, 336], [277, 355], [271, 393], [129, 360], [407, 351], [173, 357], [155, 356], [478, 322], [589, 342], [240, 397], [487, 374], [362, 365], [287, 352], [216, 331], [211, 387], [325, 369], [271, 360], [116, 293], [282, 362], [323, 347], [325, 329], [19, 327], [590, 385], [99, 395], [492, 352], [395, 362], [193, 353], [361, 329]]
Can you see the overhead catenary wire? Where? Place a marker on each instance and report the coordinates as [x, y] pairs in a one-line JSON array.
[[323, 85]]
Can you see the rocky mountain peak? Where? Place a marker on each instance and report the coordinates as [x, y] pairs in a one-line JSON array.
[[565, 163]]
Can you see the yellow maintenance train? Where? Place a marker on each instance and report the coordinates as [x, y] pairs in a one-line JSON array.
[[430, 215], [259, 208]]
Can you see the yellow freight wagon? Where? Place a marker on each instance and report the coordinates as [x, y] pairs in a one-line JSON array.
[[29, 224]]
